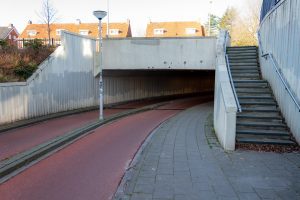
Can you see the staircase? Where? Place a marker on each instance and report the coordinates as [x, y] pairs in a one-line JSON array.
[[260, 121]]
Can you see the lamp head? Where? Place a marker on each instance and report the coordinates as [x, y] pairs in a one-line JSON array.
[[100, 14]]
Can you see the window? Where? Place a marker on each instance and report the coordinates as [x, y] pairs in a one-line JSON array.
[[113, 31], [84, 32], [190, 31], [9, 36], [158, 31], [31, 32], [58, 31]]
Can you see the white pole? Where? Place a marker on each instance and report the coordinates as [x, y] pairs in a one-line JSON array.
[[100, 74], [107, 31], [209, 17]]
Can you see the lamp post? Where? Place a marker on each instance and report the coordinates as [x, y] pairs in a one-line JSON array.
[[209, 18], [100, 15]]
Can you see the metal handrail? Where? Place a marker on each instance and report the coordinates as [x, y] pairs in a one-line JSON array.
[[239, 108], [232, 85], [283, 81]]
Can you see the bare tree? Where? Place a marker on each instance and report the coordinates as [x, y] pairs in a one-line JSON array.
[[48, 15], [244, 25]]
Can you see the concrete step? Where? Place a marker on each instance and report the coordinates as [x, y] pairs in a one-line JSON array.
[[236, 51], [257, 81], [250, 114], [242, 56], [243, 65], [263, 103], [244, 68], [241, 71], [257, 140], [254, 94], [254, 90], [265, 125], [259, 108], [232, 60], [243, 47], [256, 97], [263, 132], [260, 119]]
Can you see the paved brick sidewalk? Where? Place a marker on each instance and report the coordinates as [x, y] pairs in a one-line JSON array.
[[182, 161]]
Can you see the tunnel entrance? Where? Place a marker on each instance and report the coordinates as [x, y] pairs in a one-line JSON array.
[[130, 85]]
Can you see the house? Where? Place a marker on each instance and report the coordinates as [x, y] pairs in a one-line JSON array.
[[39, 31], [174, 29], [9, 33]]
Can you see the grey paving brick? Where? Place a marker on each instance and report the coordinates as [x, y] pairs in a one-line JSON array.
[[178, 163], [139, 196], [144, 188], [249, 196]]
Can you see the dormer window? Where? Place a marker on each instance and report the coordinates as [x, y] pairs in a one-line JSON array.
[[113, 31], [58, 31], [158, 31], [190, 31], [31, 32], [84, 32]]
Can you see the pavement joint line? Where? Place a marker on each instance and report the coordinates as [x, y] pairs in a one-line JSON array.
[[11, 165]]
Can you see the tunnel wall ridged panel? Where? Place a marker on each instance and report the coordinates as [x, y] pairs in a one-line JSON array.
[[280, 36]]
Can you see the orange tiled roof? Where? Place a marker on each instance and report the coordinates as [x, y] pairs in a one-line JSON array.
[[174, 29], [123, 30]]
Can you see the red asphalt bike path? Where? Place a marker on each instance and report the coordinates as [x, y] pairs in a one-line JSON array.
[[91, 167], [19, 140]]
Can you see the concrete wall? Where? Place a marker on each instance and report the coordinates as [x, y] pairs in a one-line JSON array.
[[225, 108], [280, 35], [65, 81], [160, 53]]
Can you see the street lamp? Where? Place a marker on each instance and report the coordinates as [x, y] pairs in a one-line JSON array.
[[209, 18], [100, 15]]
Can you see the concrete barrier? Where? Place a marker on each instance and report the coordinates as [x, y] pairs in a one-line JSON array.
[[225, 108], [194, 53]]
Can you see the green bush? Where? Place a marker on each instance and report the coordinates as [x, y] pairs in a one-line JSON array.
[[35, 44], [24, 70], [3, 44]]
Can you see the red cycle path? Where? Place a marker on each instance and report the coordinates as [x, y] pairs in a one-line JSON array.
[[21, 139], [90, 168]]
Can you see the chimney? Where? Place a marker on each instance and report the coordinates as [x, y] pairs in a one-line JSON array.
[[29, 22], [78, 21], [10, 26]]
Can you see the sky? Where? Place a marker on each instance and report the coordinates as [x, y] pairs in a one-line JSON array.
[[139, 12]]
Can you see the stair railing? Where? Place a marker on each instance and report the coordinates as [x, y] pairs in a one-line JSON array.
[[283, 81], [239, 108]]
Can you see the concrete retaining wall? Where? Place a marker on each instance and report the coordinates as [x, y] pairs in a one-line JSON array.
[[160, 53], [225, 108], [279, 33]]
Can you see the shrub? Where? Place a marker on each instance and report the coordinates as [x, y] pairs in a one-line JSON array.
[[3, 44], [35, 44], [24, 70]]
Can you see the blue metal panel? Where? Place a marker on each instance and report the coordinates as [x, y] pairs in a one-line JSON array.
[[266, 7]]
